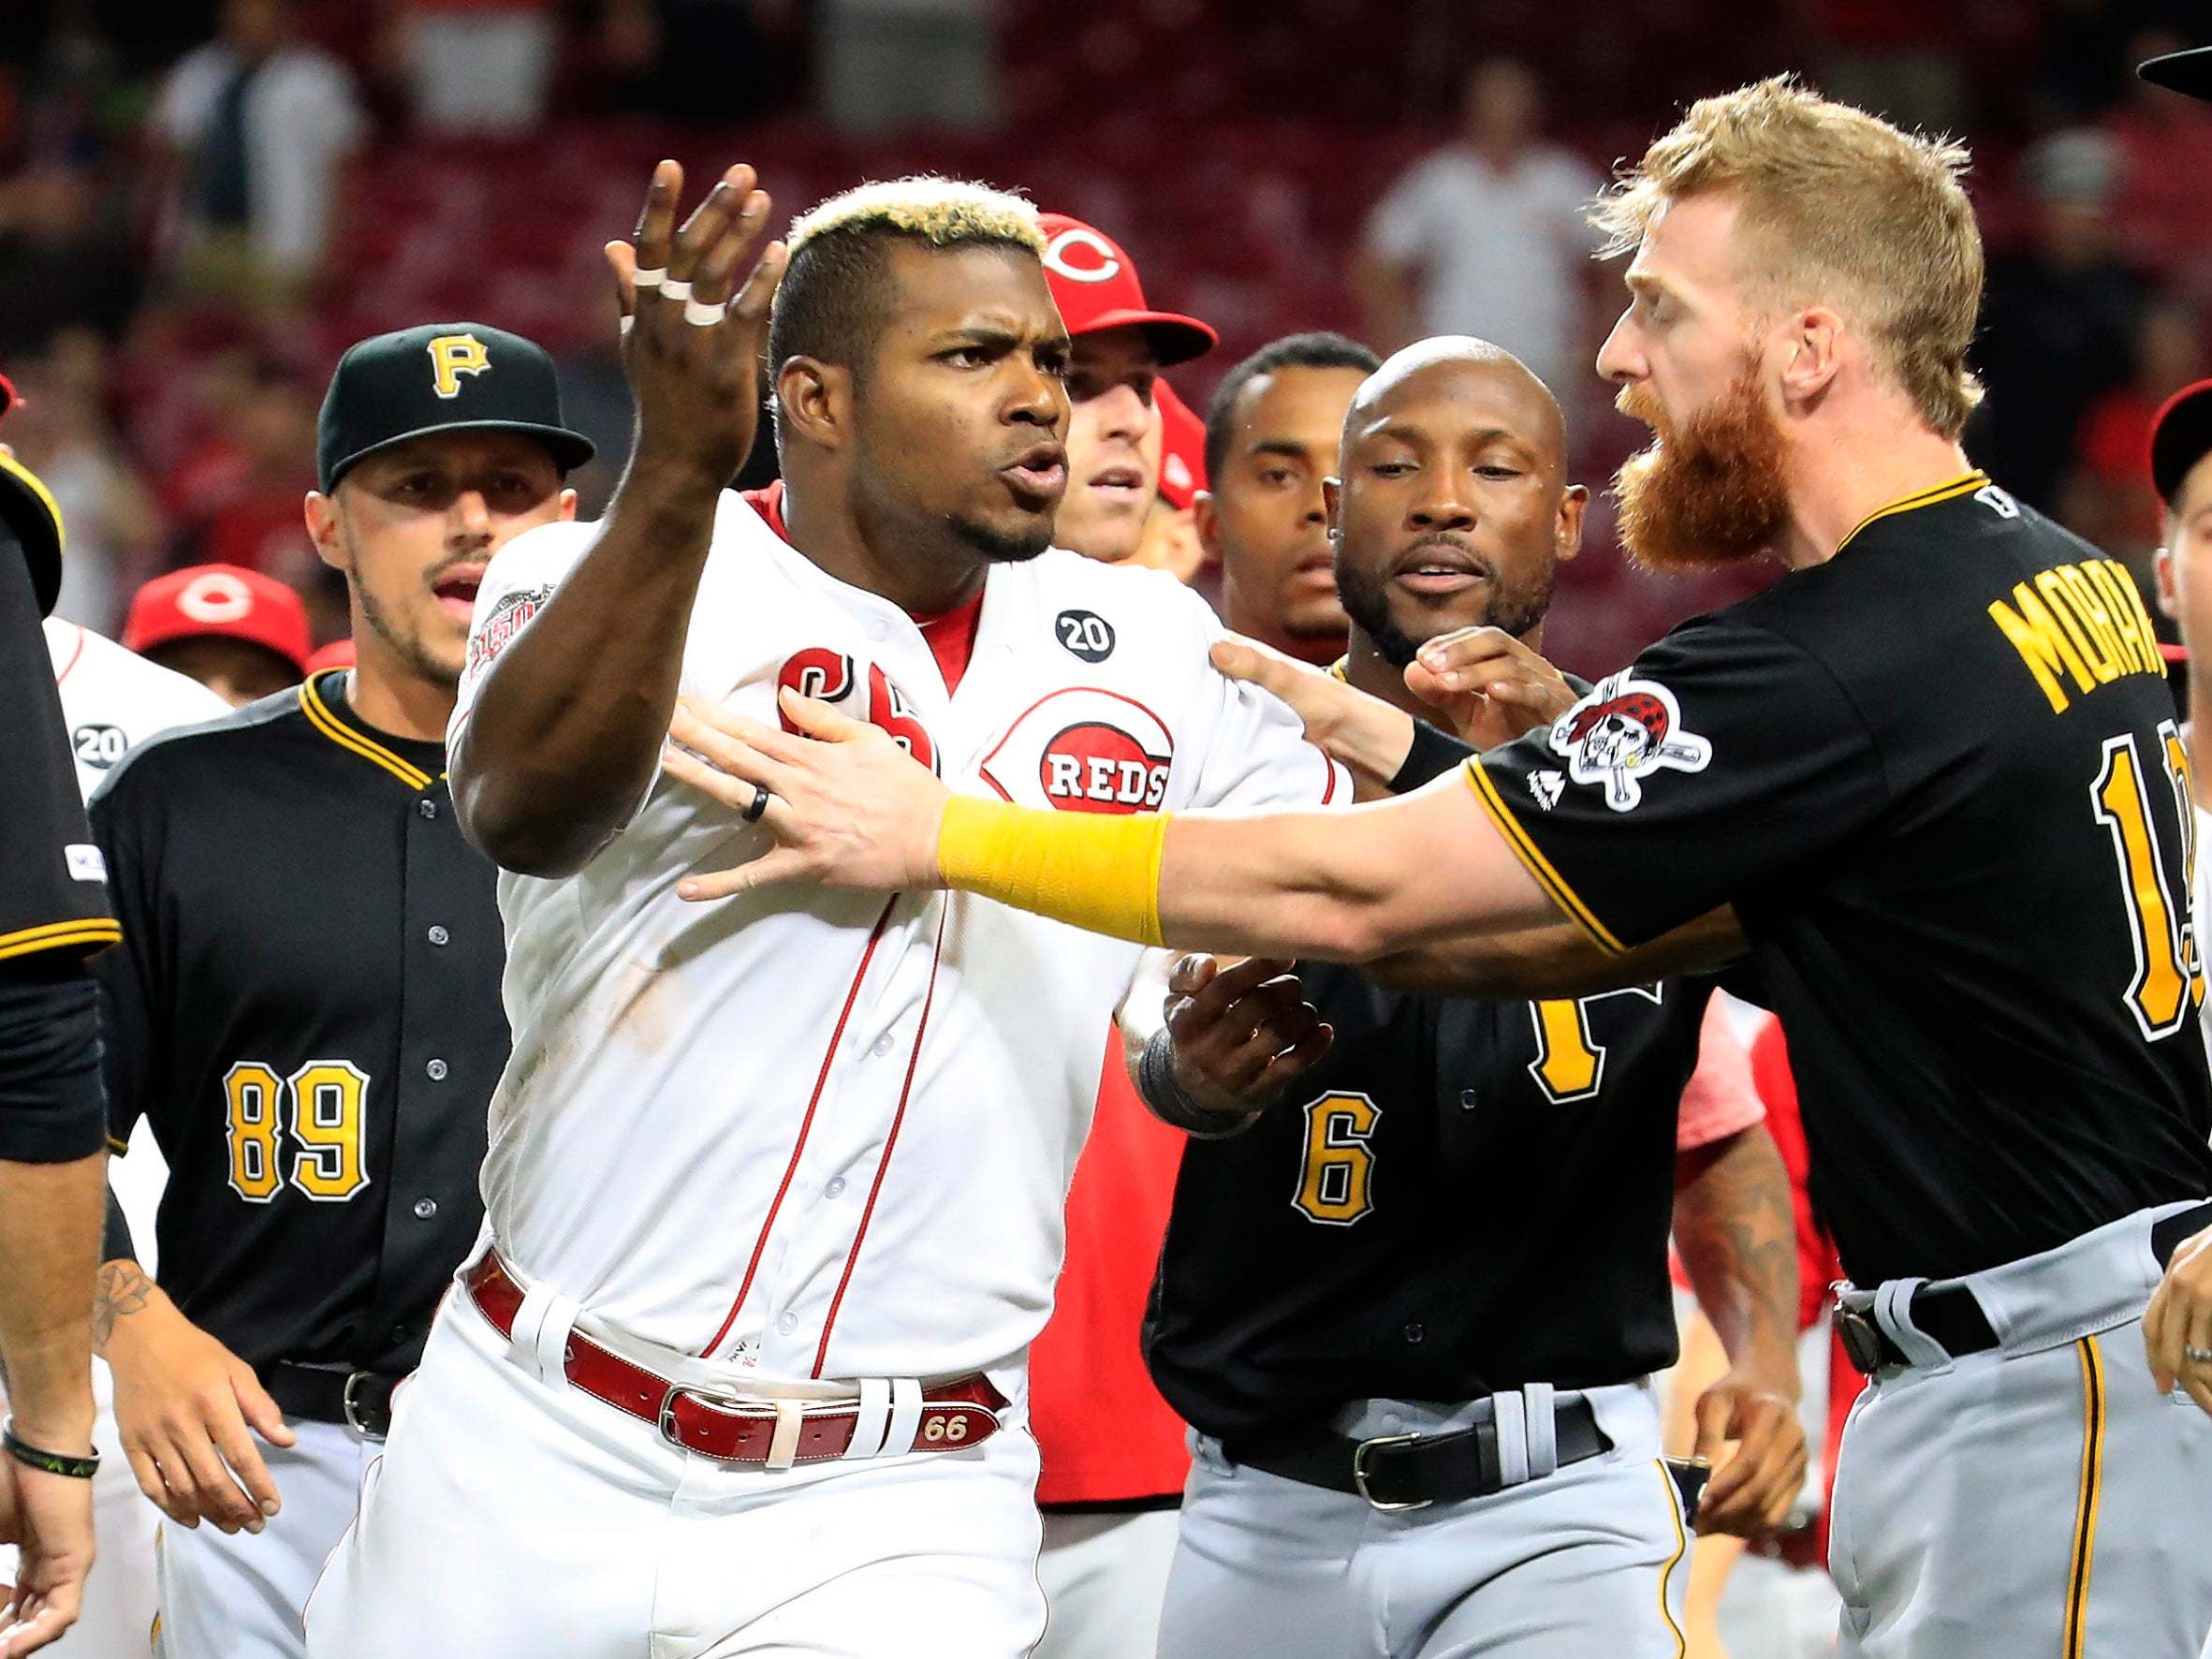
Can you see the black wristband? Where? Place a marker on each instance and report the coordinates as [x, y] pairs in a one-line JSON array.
[[1156, 1084], [1434, 753], [51, 1462]]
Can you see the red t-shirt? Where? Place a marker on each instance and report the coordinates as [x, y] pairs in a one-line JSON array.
[[1106, 1434]]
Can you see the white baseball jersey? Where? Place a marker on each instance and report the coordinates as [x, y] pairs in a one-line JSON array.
[[114, 699], [820, 1134]]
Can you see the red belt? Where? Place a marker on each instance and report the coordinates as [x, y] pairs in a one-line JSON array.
[[953, 1415]]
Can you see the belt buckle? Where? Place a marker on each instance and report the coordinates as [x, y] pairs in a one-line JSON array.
[[728, 1405], [352, 1409], [1359, 1455], [1861, 1337]]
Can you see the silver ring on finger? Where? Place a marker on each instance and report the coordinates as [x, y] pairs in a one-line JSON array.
[[757, 805], [676, 288], [2196, 1355], [652, 278], [702, 315]]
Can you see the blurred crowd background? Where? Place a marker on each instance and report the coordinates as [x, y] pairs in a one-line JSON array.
[[202, 204]]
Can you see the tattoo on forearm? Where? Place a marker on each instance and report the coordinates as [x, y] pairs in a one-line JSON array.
[[1738, 1238], [123, 1289]]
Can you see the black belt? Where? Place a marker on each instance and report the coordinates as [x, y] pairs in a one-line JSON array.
[[361, 1399], [1414, 1471], [1954, 1319]]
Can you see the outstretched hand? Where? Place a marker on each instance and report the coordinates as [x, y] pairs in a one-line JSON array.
[[847, 805], [1366, 735], [693, 339], [1487, 686]]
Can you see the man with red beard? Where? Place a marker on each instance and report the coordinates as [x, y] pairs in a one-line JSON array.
[[1929, 783]]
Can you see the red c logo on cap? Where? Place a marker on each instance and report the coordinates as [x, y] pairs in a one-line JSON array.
[[1108, 265], [216, 597]]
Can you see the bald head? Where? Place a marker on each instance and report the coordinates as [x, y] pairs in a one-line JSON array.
[[1452, 509], [1459, 369]]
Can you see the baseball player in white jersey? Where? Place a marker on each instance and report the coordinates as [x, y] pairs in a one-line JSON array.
[[113, 700], [775, 1188]]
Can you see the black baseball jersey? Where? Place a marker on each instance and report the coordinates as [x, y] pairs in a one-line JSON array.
[[1462, 1198], [53, 893], [308, 1009], [1940, 779], [54, 904]]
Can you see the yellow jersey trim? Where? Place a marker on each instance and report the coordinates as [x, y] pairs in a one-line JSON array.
[[1674, 1509], [1530, 855], [1336, 671], [31, 481], [55, 935], [1965, 485], [323, 719], [117, 1147], [2083, 1556]]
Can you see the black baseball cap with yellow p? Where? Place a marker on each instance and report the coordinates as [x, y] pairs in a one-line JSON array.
[[441, 377]]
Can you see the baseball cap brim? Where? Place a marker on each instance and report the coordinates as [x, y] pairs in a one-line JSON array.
[[569, 450], [1175, 339], [2188, 72], [33, 519], [2180, 436]]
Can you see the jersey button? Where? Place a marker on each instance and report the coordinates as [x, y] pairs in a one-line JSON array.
[[425, 1208], [1415, 1332], [788, 1323], [437, 1071], [881, 1047], [1467, 1100], [439, 935], [429, 809], [837, 1186]]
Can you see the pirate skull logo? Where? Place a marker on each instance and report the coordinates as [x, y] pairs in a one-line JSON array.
[[1624, 730]]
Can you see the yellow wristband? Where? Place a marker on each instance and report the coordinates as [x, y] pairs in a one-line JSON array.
[[1099, 871]]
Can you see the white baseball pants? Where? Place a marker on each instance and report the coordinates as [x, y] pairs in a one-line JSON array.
[[1590, 1562], [1104, 1576], [238, 1595], [513, 1517], [2038, 1498]]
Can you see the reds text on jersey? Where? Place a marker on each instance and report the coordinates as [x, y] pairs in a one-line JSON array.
[[814, 1133]]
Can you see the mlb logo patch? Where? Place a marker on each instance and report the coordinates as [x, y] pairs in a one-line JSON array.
[[85, 862]]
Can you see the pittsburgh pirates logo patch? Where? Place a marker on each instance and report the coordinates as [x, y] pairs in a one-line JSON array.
[[452, 356], [1622, 733]]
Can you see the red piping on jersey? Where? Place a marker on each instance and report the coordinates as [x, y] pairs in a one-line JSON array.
[[64, 675], [891, 1140], [806, 1124], [1328, 770]]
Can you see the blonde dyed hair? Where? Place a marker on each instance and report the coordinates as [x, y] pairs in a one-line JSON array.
[[1840, 207], [942, 212]]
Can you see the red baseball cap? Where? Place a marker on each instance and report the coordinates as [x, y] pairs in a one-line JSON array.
[[337, 654], [2180, 436], [1094, 284], [222, 600], [1182, 448]]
